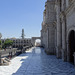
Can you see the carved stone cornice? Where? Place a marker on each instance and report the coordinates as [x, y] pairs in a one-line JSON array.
[[51, 25], [52, 2]]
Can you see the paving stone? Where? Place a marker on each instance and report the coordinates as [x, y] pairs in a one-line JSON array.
[[36, 62]]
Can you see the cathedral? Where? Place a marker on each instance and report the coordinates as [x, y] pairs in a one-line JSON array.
[[58, 29]]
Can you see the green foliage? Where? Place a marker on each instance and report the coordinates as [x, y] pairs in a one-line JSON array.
[[8, 43], [0, 42]]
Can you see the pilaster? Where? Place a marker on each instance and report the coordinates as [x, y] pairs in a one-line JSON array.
[[58, 47], [64, 50]]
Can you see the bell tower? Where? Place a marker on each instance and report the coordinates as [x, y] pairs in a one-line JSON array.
[[22, 34]]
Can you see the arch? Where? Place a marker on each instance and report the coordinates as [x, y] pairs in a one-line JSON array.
[[37, 42], [33, 40], [71, 45]]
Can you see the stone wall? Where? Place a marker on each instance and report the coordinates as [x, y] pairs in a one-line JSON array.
[[58, 22], [48, 27]]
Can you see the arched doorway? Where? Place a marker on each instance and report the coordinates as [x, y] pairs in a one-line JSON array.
[[37, 42], [71, 46]]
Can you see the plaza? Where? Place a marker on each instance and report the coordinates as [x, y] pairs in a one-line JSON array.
[[36, 62], [53, 54]]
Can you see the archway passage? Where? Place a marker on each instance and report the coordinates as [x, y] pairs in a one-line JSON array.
[[72, 45], [37, 42], [34, 39]]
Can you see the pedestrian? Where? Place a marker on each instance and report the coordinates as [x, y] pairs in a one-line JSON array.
[[5, 49]]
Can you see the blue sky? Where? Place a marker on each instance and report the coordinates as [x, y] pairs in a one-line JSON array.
[[18, 14]]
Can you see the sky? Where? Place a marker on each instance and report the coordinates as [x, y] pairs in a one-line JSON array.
[[16, 15]]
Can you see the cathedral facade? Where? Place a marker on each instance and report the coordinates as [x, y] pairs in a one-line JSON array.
[[58, 29]]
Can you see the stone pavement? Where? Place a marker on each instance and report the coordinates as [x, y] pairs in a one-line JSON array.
[[36, 62]]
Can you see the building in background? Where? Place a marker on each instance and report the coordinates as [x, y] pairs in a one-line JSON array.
[[20, 42]]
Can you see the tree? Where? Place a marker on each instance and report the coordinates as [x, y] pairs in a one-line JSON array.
[[0, 42], [8, 43]]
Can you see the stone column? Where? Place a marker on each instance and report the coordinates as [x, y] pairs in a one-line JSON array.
[[62, 7], [64, 54], [47, 36], [67, 3], [58, 48], [55, 40], [48, 40]]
